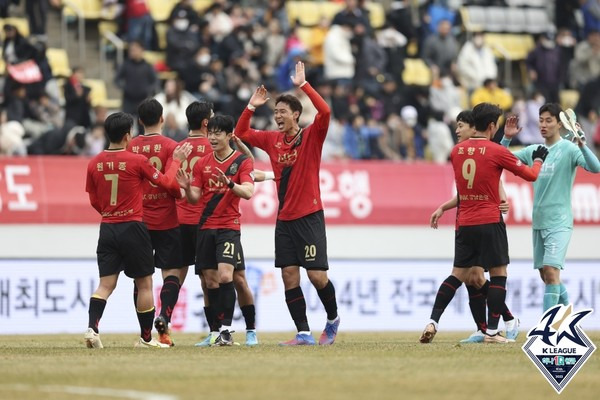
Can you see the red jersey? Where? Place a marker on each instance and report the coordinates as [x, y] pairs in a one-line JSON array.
[[295, 161], [478, 164], [115, 182], [160, 212], [226, 213], [188, 213]]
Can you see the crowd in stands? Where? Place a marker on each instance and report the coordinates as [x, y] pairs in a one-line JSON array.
[[225, 51]]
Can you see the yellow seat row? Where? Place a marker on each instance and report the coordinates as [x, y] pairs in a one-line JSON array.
[[21, 23], [510, 46]]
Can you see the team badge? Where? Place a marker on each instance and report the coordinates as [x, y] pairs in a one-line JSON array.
[[233, 169], [558, 347]]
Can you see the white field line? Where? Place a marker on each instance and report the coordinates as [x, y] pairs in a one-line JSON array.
[[91, 391]]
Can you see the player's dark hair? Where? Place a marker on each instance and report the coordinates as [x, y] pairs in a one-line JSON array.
[[149, 112], [117, 125], [221, 123], [553, 108], [484, 114], [292, 102], [466, 116], [198, 112]]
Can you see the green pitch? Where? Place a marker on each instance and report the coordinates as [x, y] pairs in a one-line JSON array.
[[359, 366]]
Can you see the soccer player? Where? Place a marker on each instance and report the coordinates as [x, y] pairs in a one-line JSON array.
[[481, 236], [160, 213], [477, 284], [300, 238], [115, 181], [552, 219], [198, 114], [219, 180]]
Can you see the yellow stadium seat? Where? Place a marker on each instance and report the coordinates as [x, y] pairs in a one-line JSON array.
[[305, 35], [99, 95], [21, 23], [416, 72], [161, 32], [292, 10], [107, 26], [91, 8], [202, 5], [329, 9], [309, 13], [59, 62], [2, 66], [510, 46], [152, 57], [568, 98], [377, 14], [161, 9]]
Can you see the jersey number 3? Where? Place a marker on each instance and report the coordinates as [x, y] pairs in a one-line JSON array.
[[468, 171]]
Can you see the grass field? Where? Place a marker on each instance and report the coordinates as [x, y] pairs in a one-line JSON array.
[[359, 366]]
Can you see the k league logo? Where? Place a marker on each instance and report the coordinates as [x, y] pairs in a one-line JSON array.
[[558, 346]]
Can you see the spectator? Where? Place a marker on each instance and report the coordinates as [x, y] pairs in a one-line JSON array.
[[333, 148], [490, 92], [140, 25], [370, 64], [394, 98], [77, 99], [37, 15], [586, 63], [338, 62], [444, 95], [136, 78], [196, 71], [175, 100], [545, 69], [476, 63], [439, 138], [528, 114], [182, 42], [185, 11], [219, 23], [11, 138], [354, 15], [591, 16], [276, 12], [401, 19], [171, 128], [440, 51], [410, 139], [394, 45], [16, 49], [274, 43]]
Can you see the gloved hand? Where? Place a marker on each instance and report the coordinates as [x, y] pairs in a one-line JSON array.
[[540, 153]]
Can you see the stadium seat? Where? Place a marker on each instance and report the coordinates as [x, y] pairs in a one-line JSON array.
[[329, 9], [510, 46], [377, 14], [161, 9], [59, 62], [201, 5], [416, 72], [161, 33], [107, 26], [21, 23], [91, 8], [495, 19], [537, 20], [292, 10], [99, 95], [473, 18], [568, 98], [310, 13], [2, 66], [305, 35], [516, 20]]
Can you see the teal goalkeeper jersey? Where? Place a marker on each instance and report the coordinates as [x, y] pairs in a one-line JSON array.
[[552, 189]]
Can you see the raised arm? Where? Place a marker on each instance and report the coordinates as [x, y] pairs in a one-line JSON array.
[[589, 161], [323, 111], [242, 128]]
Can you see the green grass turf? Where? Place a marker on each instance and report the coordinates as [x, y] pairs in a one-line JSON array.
[[359, 366]]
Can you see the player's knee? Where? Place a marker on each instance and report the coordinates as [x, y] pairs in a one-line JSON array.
[[318, 278], [291, 277]]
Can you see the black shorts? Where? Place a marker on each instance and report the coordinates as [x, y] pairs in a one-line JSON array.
[[302, 241], [125, 247], [481, 246], [219, 246], [167, 248], [189, 235]]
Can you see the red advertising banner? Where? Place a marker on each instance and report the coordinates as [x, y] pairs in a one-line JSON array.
[[52, 190]]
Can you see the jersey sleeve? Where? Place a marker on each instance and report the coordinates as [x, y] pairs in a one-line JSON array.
[[321, 122], [525, 153], [91, 188], [167, 180], [586, 159], [511, 163], [247, 171], [253, 136]]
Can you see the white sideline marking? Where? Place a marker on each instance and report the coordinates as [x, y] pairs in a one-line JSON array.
[[96, 391]]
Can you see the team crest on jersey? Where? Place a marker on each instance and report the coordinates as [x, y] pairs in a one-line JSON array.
[[155, 176], [233, 169], [557, 346], [519, 163]]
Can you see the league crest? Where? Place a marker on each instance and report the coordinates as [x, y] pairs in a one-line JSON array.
[[557, 346]]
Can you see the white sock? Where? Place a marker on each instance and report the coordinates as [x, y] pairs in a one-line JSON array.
[[225, 328], [331, 321], [491, 332], [435, 324], [304, 333], [510, 325]]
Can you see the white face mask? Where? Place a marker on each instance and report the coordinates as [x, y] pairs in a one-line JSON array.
[[478, 41], [203, 59], [244, 93], [181, 24]]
